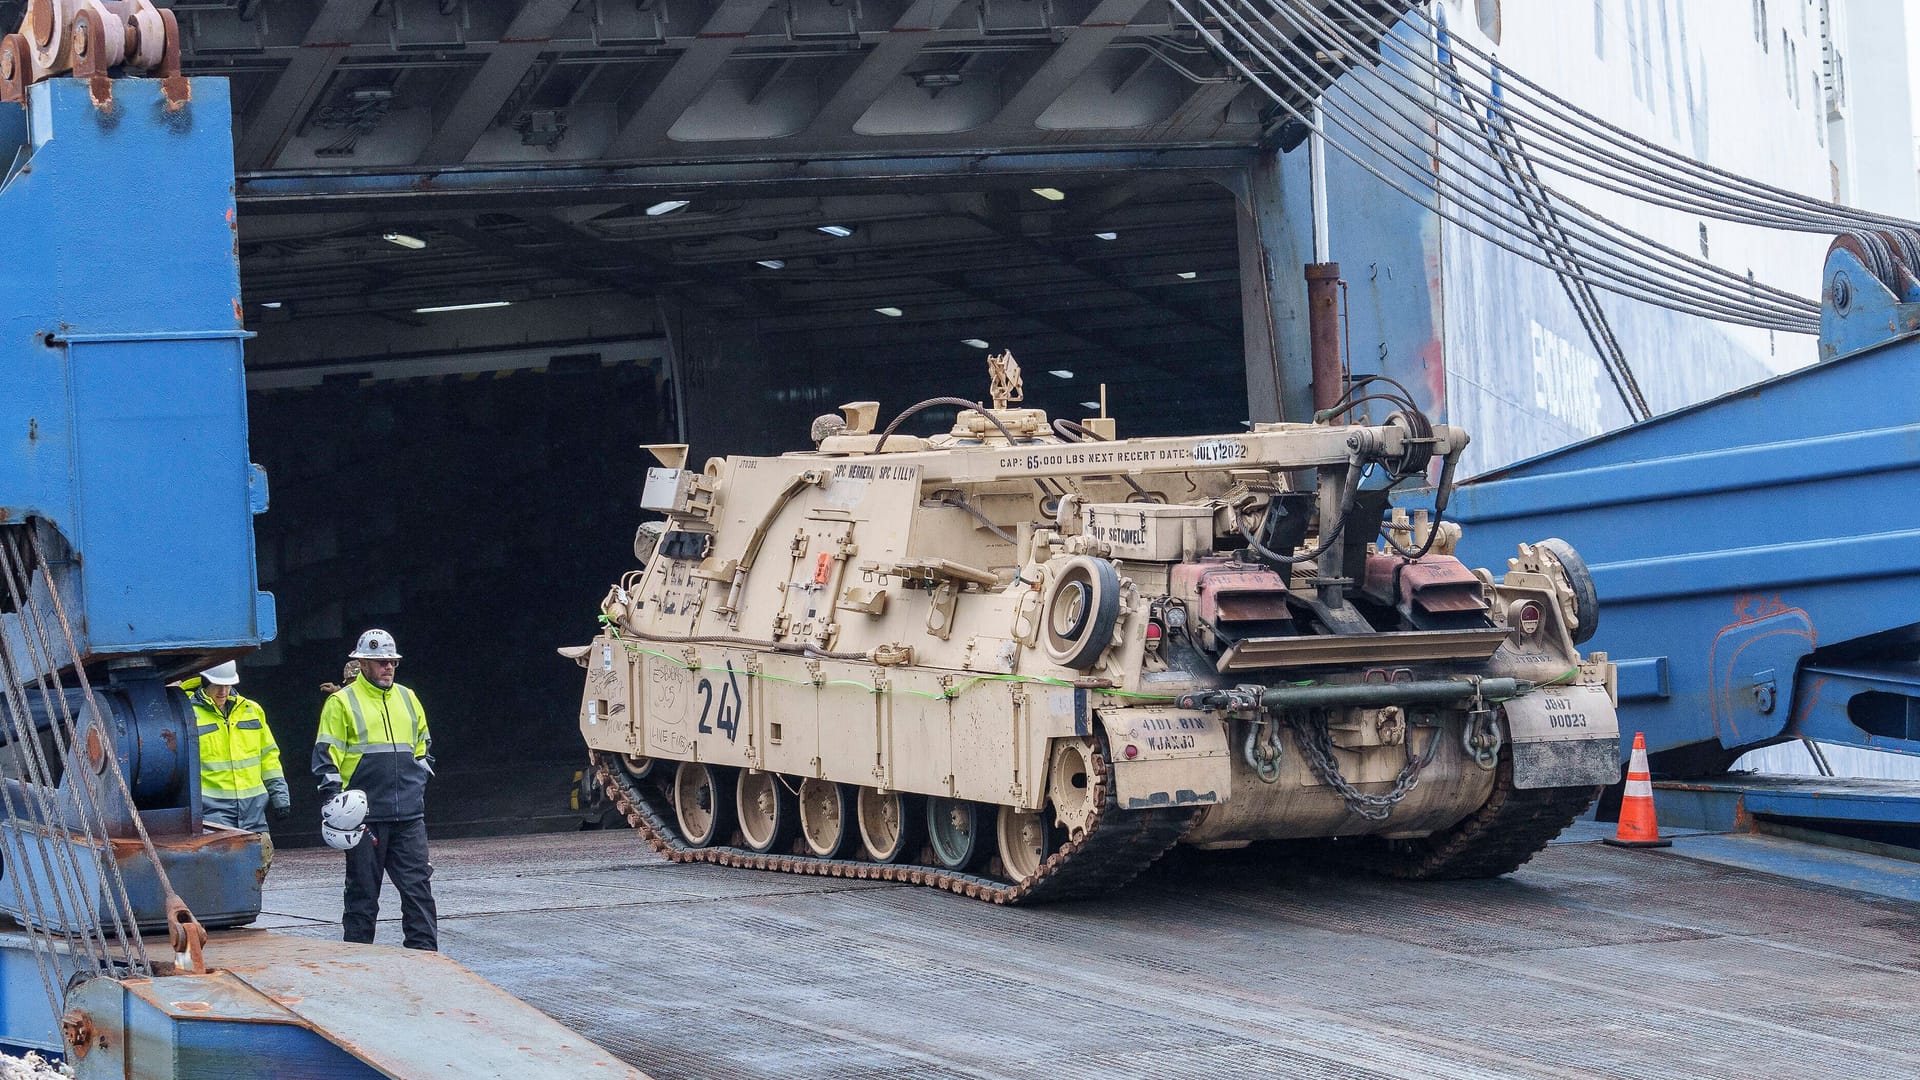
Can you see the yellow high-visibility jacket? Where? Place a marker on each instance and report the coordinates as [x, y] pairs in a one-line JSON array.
[[376, 741], [239, 760]]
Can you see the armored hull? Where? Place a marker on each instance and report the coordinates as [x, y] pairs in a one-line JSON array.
[[1023, 659]]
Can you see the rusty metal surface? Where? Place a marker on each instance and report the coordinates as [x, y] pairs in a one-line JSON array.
[[1323, 335], [407, 1014], [221, 996], [1587, 962]]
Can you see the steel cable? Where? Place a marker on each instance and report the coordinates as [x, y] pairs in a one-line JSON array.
[[66, 743], [1437, 40], [1653, 289], [1628, 279], [191, 926], [1801, 211], [1417, 95], [39, 815], [27, 898]]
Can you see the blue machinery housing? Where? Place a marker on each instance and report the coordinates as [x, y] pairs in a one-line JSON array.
[[124, 424], [1757, 558], [123, 464], [125, 448]]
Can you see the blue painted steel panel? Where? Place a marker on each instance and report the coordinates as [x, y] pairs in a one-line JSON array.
[[123, 433], [1737, 541], [26, 1021], [201, 1027], [217, 875]]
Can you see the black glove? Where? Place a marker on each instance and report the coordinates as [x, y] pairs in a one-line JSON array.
[[280, 808], [328, 791]]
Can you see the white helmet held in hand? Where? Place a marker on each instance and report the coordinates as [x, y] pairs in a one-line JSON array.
[[341, 839], [344, 812], [375, 645]]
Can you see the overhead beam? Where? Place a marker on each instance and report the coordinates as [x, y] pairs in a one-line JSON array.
[[468, 118], [687, 79], [1068, 62], [266, 129], [1204, 111], [1113, 345], [510, 188], [990, 213], [889, 58], [1089, 209], [722, 282], [486, 243]]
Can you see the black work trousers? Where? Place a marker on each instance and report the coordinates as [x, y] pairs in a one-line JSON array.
[[399, 850]]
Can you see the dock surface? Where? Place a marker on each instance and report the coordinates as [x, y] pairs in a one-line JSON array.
[[1590, 961]]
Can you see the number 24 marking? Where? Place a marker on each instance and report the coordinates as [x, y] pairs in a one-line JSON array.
[[727, 719]]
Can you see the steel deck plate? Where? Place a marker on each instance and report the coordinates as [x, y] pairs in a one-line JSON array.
[[1589, 961]]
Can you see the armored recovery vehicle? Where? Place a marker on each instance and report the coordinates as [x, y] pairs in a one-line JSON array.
[[1023, 659]]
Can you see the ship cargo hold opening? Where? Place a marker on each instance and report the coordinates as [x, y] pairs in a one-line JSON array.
[[442, 472]]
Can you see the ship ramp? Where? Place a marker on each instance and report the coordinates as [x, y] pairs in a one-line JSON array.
[[1699, 961]]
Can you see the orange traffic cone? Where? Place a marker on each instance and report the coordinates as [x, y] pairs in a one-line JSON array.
[[1637, 825]]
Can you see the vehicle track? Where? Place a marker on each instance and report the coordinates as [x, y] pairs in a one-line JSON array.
[[1116, 847]]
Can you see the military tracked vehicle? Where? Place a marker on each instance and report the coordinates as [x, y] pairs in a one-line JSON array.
[[1022, 659]]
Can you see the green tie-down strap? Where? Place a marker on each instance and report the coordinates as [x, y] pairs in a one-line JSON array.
[[947, 694]]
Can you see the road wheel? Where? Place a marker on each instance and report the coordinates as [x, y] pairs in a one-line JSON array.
[[957, 832], [1025, 842], [889, 825], [769, 813], [702, 802], [827, 818]]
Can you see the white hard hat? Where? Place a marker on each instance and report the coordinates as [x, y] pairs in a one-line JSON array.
[[342, 839], [375, 645], [227, 674], [345, 811]]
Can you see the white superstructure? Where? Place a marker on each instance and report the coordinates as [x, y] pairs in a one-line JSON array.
[[1783, 91], [1810, 95]]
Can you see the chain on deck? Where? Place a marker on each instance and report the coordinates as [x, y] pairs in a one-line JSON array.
[[1512, 826], [1116, 846]]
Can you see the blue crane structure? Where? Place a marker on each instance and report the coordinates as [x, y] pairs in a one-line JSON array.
[[126, 562], [1757, 559]]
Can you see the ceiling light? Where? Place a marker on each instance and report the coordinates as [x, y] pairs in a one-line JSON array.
[[975, 342], [1186, 275], [835, 230], [462, 307], [772, 264], [1090, 405], [273, 304], [890, 312], [1107, 235], [936, 80], [667, 207], [1051, 194], [411, 243], [1061, 373]]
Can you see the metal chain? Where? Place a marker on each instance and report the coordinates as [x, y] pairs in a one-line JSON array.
[[1316, 745]]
